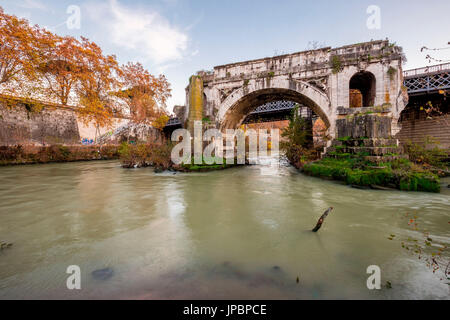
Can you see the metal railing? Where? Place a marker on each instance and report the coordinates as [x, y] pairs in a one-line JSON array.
[[274, 107], [271, 107], [173, 122], [426, 70], [428, 79]]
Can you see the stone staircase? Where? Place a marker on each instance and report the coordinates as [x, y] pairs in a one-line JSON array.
[[365, 136], [371, 149]]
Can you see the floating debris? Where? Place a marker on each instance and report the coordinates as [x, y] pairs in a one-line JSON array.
[[322, 219]]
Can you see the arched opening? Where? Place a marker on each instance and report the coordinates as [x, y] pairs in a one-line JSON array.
[[277, 115], [271, 109], [362, 90], [238, 112], [206, 113]]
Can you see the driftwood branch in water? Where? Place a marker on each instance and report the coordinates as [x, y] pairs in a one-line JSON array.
[[322, 219]]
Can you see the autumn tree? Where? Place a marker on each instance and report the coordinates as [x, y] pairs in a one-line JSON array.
[[48, 67], [98, 80], [144, 94], [160, 122], [18, 51], [63, 66]]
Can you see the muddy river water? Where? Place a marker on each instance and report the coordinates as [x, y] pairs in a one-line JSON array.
[[242, 233]]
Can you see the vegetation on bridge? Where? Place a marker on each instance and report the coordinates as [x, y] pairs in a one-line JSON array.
[[420, 173]]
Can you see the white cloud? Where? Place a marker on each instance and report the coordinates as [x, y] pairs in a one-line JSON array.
[[147, 33]]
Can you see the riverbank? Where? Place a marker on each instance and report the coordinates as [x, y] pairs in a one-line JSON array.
[[398, 174], [25, 155], [204, 167], [159, 156]]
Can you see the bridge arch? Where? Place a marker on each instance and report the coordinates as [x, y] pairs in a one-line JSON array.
[[234, 109]]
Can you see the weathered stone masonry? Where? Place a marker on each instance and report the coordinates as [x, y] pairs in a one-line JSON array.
[[48, 125], [51, 125], [319, 79]]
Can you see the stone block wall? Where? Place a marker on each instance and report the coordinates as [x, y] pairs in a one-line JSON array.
[[54, 124], [417, 129], [364, 126], [51, 125]]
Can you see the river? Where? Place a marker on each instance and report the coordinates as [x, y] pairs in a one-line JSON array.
[[242, 233]]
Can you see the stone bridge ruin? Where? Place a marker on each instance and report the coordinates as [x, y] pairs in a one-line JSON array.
[[338, 84]]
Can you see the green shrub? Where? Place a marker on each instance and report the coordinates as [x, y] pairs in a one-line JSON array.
[[298, 140], [11, 153], [419, 182], [55, 153], [400, 173], [64, 153], [427, 152], [336, 64], [146, 154]]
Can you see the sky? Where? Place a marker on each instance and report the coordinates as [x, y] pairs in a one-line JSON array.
[[180, 37]]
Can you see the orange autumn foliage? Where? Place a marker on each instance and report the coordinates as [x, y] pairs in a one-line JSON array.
[[144, 94], [19, 52], [97, 81], [71, 71], [62, 68]]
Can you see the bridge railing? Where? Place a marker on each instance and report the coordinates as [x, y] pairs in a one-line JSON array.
[[274, 107], [428, 79], [426, 70], [173, 122]]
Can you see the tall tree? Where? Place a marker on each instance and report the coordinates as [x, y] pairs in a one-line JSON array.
[[97, 81], [18, 54], [144, 94], [63, 66], [46, 66]]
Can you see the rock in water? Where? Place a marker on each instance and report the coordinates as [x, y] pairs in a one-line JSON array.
[[158, 170], [103, 274], [376, 187], [355, 186]]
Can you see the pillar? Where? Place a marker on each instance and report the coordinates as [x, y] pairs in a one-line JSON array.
[[195, 102]]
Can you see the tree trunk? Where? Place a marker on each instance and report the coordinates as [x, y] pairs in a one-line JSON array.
[[322, 219], [97, 133]]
